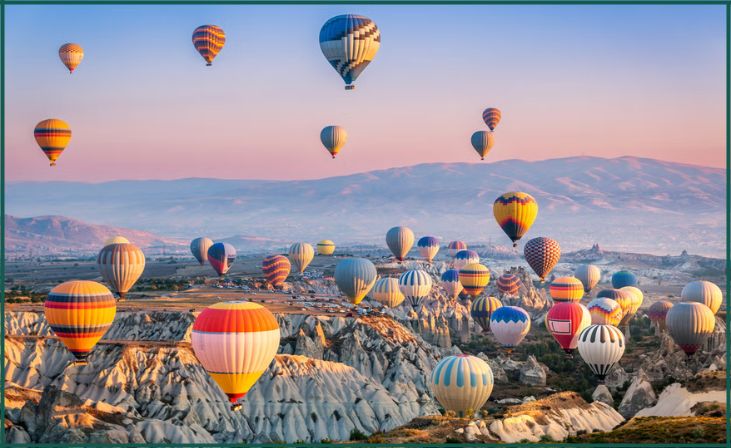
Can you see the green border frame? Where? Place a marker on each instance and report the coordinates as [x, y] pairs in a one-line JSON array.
[[372, 2]]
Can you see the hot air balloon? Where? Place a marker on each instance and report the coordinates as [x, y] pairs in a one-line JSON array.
[[509, 325], [482, 309], [542, 254], [605, 311], [509, 284], [515, 212], [566, 289], [349, 43], [387, 292], [325, 247], [235, 342], [199, 247], [589, 275], [415, 284], [491, 116], [355, 277], [465, 257], [703, 292], [482, 142], [399, 240], [121, 265], [450, 283], [301, 255], [601, 347], [461, 383], [52, 135], [276, 269], [71, 56], [221, 256], [474, 277], [333, 138], [428, 247], [208, 40], [565, 321], [690, 324], [79, 313], [456, 246], [658, 311], [636, 298], [623, 299], [623, 278], [118, 239]]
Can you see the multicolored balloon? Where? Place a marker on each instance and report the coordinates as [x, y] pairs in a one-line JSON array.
[[605, 311], [349, 43], [235, 342], [491, 116], [387, 292], [208, 41], [474, 278], [542, 254], [326, 247], [333, 138], [483, 142], [515, 213], [465, 257], [199, 248], [221, 256], [450, 283], [509, 284], [566, 289], [80, 312], [509, 325], [601, 347], [623, 299], [355, 278], [690, 324], [482, 309], [428, 247], [623, 278], [301, 254], [456, 246], [658, 311], [704, 292], [565, 321], [400, 239], [589, 275], [52, 135], [71, 55], [415, 285], [121, 265], [461, 383], [636, 298], [276, 269]]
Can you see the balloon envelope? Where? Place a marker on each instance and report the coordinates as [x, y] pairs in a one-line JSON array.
[[355, 278], [199, 248], [71, 55], [326, 247], [465, 257], [121, 265], [601, 346], [474, 278], [515, 213], [605, 311], [690, 324], [208, 41], [349, 42], [301, 254], [52, 135], [387, 292], [482, 309], [461, 383], [658, 312], [450, 283], [509, 284], [333, 138], [221, 256], [565, 321], [623, 298], [703, 292], [456, 246], [400, 239], [428, 247], [589, 275], [566, 289], [542, 254], [482, 142], [276, 269], [623, 278], [491, 116], [415, 285], [509, 325], [118, 239]]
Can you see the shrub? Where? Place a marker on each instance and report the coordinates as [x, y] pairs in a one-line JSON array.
[[356, 435]]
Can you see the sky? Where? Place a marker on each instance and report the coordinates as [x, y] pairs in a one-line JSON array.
[[590, 80]]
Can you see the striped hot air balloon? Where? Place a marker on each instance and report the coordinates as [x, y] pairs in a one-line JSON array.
[[482, 309], [121, 265], [542, 254], [515, 213], [349, 43], [589, 275], [400, 239], [276, 269], [450, 283], [623, 278], [703, 292], [428, 247], [623, 298], [333, 138], [199, 248], [474, 277], [465, 257], [601, 347], [52, 135], [221, 256], [235, 342], [387, 292], [71, 55], [416, 285], [301, 254], [456, 246], [79, 313], [566, 289], [636, 298], [690, 324], [509, 284], [605, 311], [325, 247], [658, 311], [355, 278], [565, 321], [509, 325], [118, 239], [461, 383], [208, 41], [482, 142], [491, 116]]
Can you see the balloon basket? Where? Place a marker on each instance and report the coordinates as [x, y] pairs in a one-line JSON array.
[[236, 407], [349, 87]]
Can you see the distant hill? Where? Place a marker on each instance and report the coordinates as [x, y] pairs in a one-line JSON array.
[[626, 204]]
